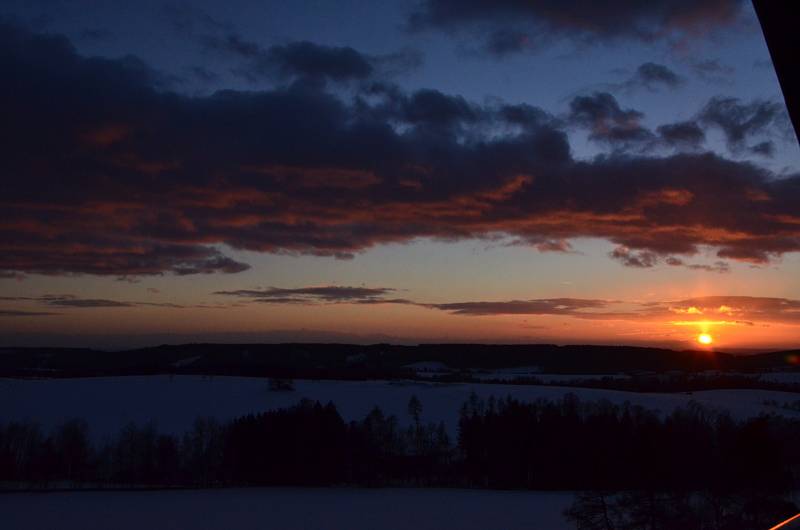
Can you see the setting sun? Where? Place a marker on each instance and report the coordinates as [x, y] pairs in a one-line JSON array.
[[705, 338]]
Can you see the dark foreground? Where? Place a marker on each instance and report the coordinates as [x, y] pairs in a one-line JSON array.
[[286, 509]]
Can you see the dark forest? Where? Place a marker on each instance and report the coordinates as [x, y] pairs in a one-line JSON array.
[[691, 463]]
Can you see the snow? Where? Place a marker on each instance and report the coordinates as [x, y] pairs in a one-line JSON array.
[[109, 403], [509, 375], [781, 377], [429, 366], [186, 362], [286, 509], [521, 370]]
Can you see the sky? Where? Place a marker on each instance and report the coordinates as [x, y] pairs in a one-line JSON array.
[[395, 171]]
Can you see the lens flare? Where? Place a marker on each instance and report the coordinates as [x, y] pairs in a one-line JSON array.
[[705, 339]]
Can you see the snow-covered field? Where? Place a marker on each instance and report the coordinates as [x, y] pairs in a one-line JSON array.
[[431, 369], [510, 375], [781, 377], [108, 403], [286, 509]]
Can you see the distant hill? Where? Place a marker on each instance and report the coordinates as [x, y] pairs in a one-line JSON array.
[[349, 361]]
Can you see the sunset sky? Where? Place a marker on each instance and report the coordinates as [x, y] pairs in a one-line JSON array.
[[438, 170]]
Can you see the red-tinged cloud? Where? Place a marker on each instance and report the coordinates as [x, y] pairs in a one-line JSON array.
[[734, 310], [731, 310], [105, 173]]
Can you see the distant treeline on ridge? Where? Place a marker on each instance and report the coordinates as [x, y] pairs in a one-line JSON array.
[[376, 361]]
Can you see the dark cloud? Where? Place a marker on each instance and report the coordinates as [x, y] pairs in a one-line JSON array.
[[505, 26], [763, 149], [428, 109], [607, 122], [214, 263], [547, 306], [72, 301], [718, 266], [643, 259], [740, 121], [397, 63], [525, 115], [148, 257], [95, 34], [653, 76], [602, 109], [711, 70], [104, 173], [191, 20], [15, 313], [87, 302], [502, 42], [299, 59], [373, 301], [203, 74], [309, 61], [682, 135], [726, 309], [319, 294]]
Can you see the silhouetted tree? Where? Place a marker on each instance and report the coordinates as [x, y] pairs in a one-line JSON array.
[[73, 449], [415, 409]]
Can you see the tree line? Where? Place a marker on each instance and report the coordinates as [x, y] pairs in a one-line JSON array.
[[308, 444], [664, 383], [502, 443]]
